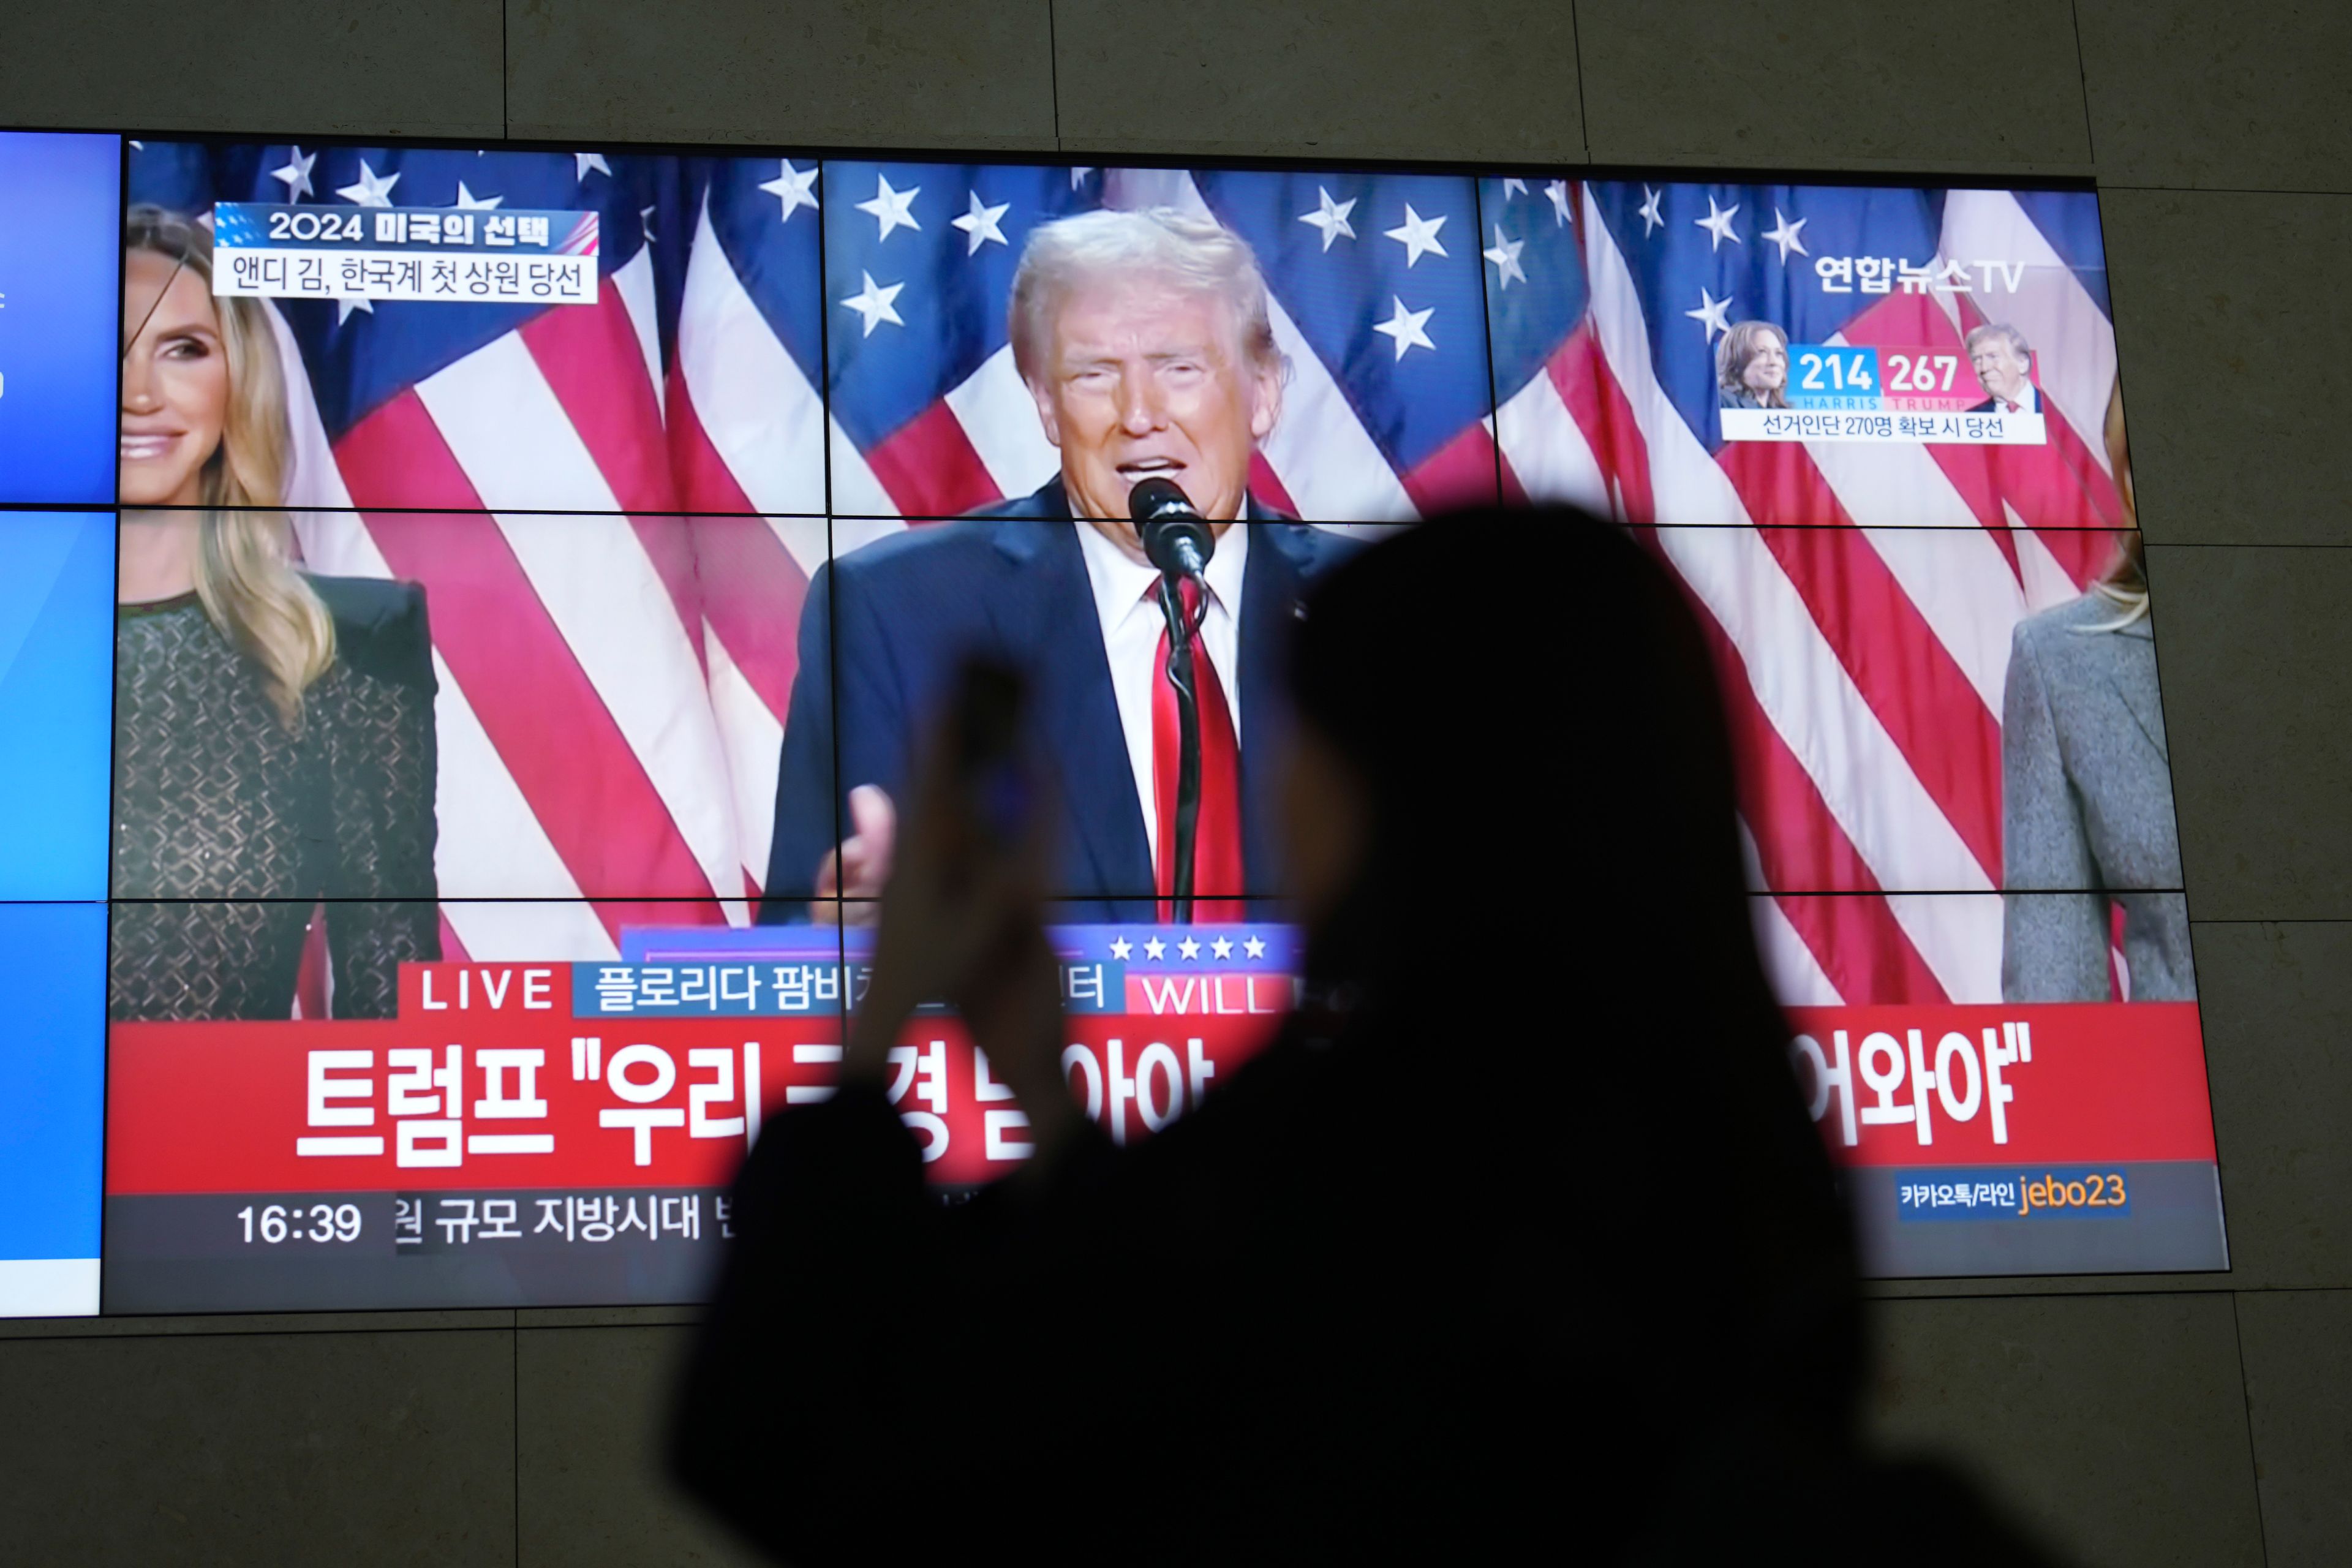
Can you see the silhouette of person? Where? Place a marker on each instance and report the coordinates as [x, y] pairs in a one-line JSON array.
[[1518, 1232]]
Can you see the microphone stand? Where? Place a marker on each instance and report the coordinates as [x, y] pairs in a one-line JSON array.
[[1181, 633]]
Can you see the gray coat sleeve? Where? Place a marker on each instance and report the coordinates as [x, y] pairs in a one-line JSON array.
[[2054, 943]]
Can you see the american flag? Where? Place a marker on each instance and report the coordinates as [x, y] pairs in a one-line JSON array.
[[615, 511], [1376, 301], [1864, 662]]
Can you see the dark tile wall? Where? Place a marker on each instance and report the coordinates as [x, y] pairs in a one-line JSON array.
[[2189, 1420]]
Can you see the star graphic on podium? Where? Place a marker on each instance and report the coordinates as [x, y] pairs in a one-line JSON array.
[[1120, 947], [1255, 947], [1223, 947], [1189, 948], [1155, 948]]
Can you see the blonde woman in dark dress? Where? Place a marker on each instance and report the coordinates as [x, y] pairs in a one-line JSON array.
[[274, 740]]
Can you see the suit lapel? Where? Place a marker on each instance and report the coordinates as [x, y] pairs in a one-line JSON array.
[[2138, 696], [1047, 625]]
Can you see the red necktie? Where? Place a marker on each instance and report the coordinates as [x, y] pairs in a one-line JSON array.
[[1217, 831]]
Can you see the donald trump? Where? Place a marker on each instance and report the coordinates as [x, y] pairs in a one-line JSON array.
[[2004, 367], [1146, 341]]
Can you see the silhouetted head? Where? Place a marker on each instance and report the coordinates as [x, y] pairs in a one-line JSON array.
[[1511, 818], [1510, 745]]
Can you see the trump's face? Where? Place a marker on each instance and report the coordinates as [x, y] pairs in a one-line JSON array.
[[1998, 366], [1141, 380]]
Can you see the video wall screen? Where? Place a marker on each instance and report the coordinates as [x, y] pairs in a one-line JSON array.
[[474, 714]]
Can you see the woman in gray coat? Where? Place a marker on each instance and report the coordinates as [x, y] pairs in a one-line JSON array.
[[2086, 795]]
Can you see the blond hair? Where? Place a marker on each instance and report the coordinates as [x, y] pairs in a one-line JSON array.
[[245, 573], [2123, 583]]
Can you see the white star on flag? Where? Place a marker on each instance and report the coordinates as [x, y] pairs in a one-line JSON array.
[[1223, 947], [646, 221], [1651, 218], [1718, 225], [296, 174], [587, 161], [792, 188], [1558, 190], [1513, 186], [1417, 235], [980, 224], [1155, 948], [1254, 948], [874, 303], [467, 202], [893, 209], [1505, 258], [1078, 175], [1709, 314], [1784, 234], [374, 190], [1405, 328], [1120, 947], [346, 303], [1330, 217], [1189, 948]]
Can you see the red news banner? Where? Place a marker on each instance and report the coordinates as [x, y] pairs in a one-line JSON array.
[[659, 1072]]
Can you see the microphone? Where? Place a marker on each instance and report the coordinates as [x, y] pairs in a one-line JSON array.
[[1174, 538], [1178, 543]]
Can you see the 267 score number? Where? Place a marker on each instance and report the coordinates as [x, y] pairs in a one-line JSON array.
[[278, 1222]]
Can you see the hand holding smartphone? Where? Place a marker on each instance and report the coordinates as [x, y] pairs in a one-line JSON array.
[[963, 918]]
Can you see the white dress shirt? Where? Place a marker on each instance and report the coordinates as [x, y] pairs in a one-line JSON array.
[[1127, 603]]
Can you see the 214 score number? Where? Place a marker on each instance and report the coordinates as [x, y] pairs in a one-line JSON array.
[[335, 1222], [1856, 370]]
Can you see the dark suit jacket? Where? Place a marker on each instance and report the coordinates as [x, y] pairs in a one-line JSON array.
[[2030, 403], [896, 620]]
